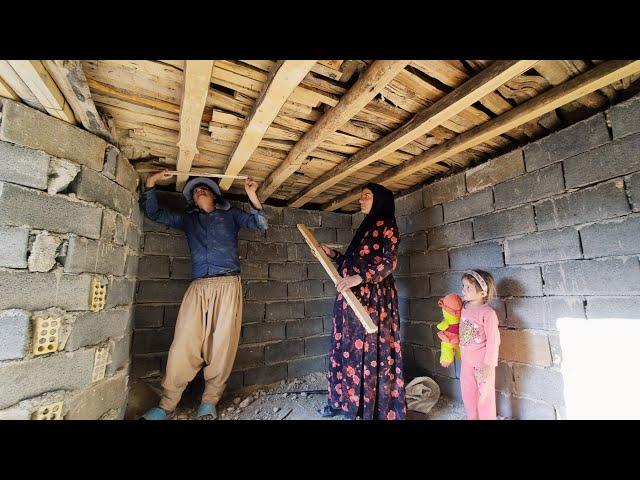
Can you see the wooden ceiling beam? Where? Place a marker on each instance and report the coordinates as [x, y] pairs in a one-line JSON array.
[[370, 83], [577, 87], [423, 122], [282, 80]]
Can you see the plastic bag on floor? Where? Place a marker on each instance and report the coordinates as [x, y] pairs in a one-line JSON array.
[[422, 393]]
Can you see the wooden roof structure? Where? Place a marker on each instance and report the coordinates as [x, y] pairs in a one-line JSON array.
[[312, 132]]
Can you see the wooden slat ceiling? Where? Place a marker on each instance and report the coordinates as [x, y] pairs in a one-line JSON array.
[[144, 100]]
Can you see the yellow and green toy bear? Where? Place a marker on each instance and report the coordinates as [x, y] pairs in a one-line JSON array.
[[449, 327]]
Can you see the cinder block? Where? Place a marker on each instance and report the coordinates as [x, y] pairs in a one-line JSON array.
[[609, 276], [32, 291], [253, 234], [518, 281], [131, 266], [148, 316], [145, 366], [424, 360], [495, 171], [296, 253], [14, 333], [283, 351], [356, 220], [45, 251], [421, 220], [14, 242], [249, 356], [288, 310], [416, 242], [30, 128], [305, 366], [317, 345], [633, 189], [542, 313], [92, 328], [514, 221], [22, 206], [323, 235], [431, 261], [525, 347], [608, 161], [469, 206], [161, 290], [530, 187], [444, 190], [605, 200], [344, 236], [616, 237], [504, 378], [84, 255], [625, 117], [23, 166], [263, 332], [161, 244], [293, 216], [539, 384], [549, 246], [449, 387], [317, 271], [254, 270], [413, 287], [152, 341], [335, 220], [451, 235], [410, 203], [445, 283], [153, 267], [181, 268], [403, 267], [287, 271], [305, 289], [252, 312], [417, 333], [60, 371], [110, 162], [613, 307], [577, 138], [265, 375], [121, 291], [92, 403], [92, 186], [426, 309], [304, 328], [318, 307], [520, 408], [265, 252], [482, 256], [126, 175], [269, 290], [284, 234]]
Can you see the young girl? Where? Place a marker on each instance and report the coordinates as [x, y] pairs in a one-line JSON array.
[[479, 341]]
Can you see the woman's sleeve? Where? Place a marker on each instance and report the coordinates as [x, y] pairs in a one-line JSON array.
[[378, 257], [492, 334]]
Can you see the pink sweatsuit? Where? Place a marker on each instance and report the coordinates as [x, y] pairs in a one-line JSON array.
[[479, 342]]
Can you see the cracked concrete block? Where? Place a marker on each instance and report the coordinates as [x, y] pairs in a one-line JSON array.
[[61, 174], [43, 252]]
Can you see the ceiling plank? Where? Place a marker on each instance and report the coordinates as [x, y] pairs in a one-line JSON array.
[[284, 77], [197, 77], [423, 122], [6, 91], [11, 78], [70, 78], [370, 83], [573, 89], [44, 88]]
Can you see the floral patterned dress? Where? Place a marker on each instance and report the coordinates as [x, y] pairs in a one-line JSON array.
[[365, 370]]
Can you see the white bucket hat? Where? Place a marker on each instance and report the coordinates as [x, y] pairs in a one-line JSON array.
[[221, 203]]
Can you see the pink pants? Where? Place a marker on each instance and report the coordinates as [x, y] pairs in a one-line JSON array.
[[478, 395]]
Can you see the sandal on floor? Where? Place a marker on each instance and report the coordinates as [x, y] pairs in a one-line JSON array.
[[156, 413], [206, 411], [328, 412]]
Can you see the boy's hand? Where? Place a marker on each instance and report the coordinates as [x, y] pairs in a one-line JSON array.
[[250, 185], [153, 178]]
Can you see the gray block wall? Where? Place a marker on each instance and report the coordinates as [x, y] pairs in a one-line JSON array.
[[63, 222], [557, 224], [288, 297]]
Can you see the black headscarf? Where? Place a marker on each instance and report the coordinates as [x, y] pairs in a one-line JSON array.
[[383, 208]]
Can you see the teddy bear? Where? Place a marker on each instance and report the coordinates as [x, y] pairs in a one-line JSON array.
[[449, 327]]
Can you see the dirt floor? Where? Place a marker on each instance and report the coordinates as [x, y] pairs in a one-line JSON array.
[[296, 399]]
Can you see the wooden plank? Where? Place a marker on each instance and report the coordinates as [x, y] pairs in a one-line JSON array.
[[348, 295], [282, 80], [359, 95], [573, 89], [423, 122], [557, 72], [132, 97], [72, 82], [197, 76], [9, 75], [36, 77], [6, 91]]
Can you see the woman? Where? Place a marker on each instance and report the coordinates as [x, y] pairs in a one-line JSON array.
[[365, 370]]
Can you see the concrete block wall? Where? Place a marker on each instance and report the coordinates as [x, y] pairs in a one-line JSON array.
[[557, 223], [288, 297], [66, 216]]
